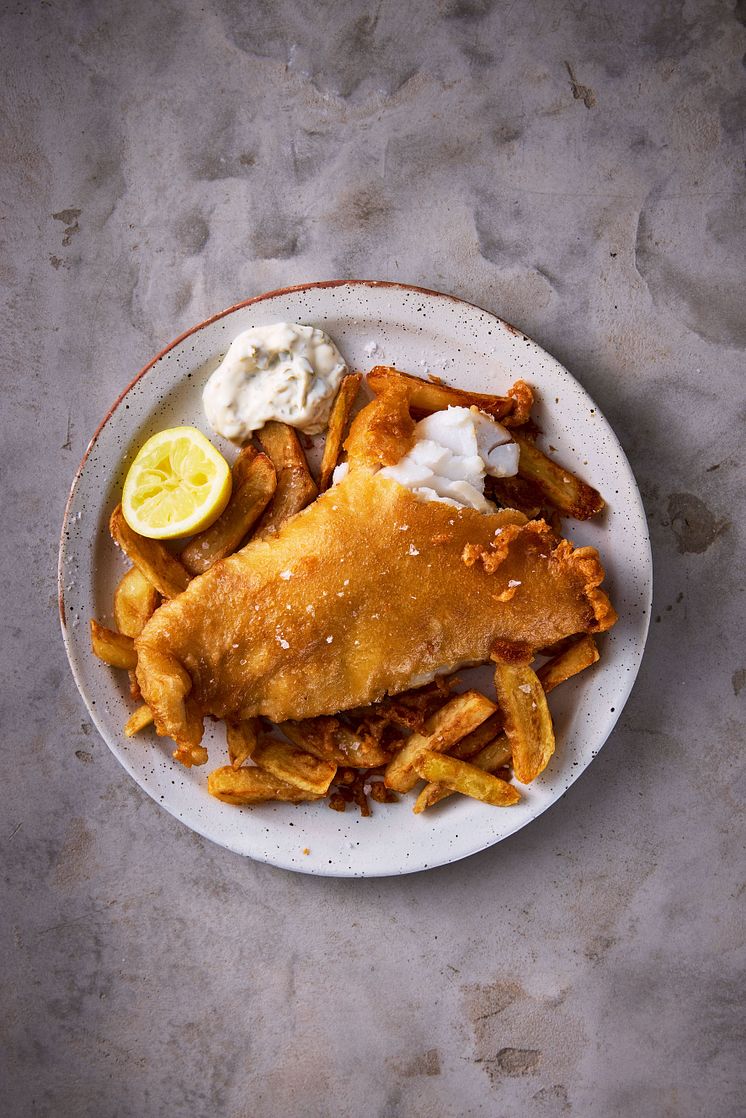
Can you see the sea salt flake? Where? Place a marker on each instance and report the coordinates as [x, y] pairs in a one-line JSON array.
[[286, 574], [282, 642], [513, 582], [413, 550], [525, 688], [329, 640]]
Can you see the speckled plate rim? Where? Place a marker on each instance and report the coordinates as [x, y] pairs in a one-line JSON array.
[[480, 843]]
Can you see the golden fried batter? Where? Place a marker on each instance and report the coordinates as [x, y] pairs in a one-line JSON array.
[[366, 592]]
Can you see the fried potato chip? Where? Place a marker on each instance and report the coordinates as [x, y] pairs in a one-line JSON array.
[[254, 485], [241, 738], [493, 756], [457, 718], [572, 660], [113, 648], [295, 486], [135, 602], [286, 762], [152, 558], [469, 746], [338, 419], [528, 723], [253, 786], [427, 396], [137, 721], [560, 487], [461, 776]]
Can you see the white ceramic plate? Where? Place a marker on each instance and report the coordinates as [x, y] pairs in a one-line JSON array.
[[419, 331]]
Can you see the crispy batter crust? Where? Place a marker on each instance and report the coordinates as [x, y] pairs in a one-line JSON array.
[[366, 592]]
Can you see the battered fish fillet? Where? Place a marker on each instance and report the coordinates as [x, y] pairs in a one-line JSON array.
[[366, 592]]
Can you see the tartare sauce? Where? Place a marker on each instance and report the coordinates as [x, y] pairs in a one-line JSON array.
[[284, 371], [453, 451]]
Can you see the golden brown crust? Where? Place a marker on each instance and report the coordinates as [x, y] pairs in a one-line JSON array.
[[382, 433], [522, 395], [366, 592]]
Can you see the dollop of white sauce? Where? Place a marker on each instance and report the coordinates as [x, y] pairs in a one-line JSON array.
[[453, 452], [284, 371]]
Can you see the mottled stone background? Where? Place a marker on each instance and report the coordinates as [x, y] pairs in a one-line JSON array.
[[577, 167]]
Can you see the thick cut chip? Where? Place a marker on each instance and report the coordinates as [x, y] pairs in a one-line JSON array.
[[574, 659], [295, 486], [457, 718], [135, 602], [461, 776], [254, 483], [469, 746], [286, 762], [566, 492], [528, 723], [242, 738], [338, 419], [253, 786], [113, 648], [141, 718], [162, 569], [424, 395], [493, 756]]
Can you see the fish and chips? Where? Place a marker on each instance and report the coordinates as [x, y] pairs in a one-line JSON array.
[[324, 623]]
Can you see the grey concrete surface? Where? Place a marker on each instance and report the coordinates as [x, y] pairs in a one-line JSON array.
[[576, 167]]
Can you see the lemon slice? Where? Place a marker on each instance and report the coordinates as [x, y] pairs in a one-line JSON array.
[[177, 485]]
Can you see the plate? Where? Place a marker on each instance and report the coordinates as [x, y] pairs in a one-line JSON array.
[[421, 332]]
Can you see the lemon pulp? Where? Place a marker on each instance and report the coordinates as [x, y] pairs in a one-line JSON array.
[[177, 485]]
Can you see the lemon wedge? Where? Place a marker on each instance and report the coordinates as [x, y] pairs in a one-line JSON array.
[[177, 485]]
